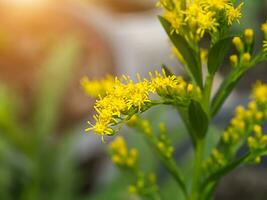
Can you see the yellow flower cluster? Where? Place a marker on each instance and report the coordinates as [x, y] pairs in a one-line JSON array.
[[259, 92], [144, 183], [164, 144], [258, 141], [121, 156], [128, 160], [96, 88], [125, 98], [244, 57], [264, 29], [215, 161], [242, 122], [245, 119], [196, 17]]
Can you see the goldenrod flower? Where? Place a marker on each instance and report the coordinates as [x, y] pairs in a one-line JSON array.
[[238, 44], [264, 29], [206, 22], [249, 36], [260, 92], [121, 155], [125, 98], [246, 58], [176, 20], [233, 14], [234, 60], [217, 4], [94, 88]]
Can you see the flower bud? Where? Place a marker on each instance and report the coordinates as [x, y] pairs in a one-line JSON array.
[[234, 60], [264, 29], [238, 44], [249, 36], [246, 58]]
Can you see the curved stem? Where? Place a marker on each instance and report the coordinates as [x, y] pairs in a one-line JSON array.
[[170, 165]]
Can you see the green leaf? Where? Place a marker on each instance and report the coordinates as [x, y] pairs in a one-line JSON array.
[[217, 54], [167, 70], [198, 119], [225, 89], [187, 52], [52, 83]]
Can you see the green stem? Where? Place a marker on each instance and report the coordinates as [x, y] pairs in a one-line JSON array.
[[207, 93], [168, 163], [197, 170], [171, 166]]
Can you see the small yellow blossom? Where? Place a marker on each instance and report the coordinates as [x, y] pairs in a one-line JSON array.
[[94, 88], [260, 92], [246, 57], [238, 44], [206, 22], [249, 36], [234, 60], [233, 14], [176, 20], [264, 28], [217, 4], [121, 155]]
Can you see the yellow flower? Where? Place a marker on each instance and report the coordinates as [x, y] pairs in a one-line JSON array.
[[234, 60], [217, 4], [260, 92], [176, 20], [162, 82], [96, 88], [206, 22], [233, 14], [246, 57], [264, 28], [238, 44], [249, 36], [121, 155]]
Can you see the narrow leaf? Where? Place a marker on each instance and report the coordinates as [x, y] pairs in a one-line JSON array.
[[217, 54], [187, 52], [167, 70], [198, 119]]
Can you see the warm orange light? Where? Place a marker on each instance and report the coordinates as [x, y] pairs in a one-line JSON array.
[[24, 3]]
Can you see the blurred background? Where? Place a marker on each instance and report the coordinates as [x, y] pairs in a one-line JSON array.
[[46, 47]]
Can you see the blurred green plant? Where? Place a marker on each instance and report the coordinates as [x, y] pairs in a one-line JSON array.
[[34, 164]]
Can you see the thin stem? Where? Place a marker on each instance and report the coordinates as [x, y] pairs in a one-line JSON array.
[[207, 93], [169, 163], [197, 169]]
